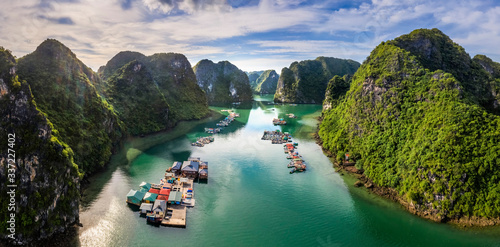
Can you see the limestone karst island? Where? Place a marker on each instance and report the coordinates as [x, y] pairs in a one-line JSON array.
[[249, 123]]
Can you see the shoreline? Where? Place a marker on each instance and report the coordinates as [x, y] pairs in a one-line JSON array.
[[392, 194]]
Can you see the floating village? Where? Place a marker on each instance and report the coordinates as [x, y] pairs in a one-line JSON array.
[[166, 202], [277, 137], [202, 141]]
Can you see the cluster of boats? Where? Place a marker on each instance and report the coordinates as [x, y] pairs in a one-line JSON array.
[[202, 141], [153, 199], [229, 119], [277, 137], [213, 130], [166, 201], [296, 162], [279, 121]]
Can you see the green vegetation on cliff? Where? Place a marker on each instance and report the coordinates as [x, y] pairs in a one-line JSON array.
[[63, 88], [493, 69], [137, 99], [335, 91], [222, 81], [46, 178], [419, 118], [253, 76], [152, 93], [306, 81], [266, 83]]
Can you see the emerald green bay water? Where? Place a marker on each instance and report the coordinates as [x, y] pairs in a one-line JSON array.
[[251, 199]]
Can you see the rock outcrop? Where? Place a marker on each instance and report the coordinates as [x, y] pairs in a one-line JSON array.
[[266, 83], [419, 119], [160, 89], [64, 89], [39, 182], [223, 82], [306, 81]]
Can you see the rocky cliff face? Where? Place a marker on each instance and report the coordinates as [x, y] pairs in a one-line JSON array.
[[64, 89], [39, 182], [266, 83], [418, 121], [253, 76], [336, 90], [166, 78], [306, 81], [222, 82], [137, 99], [493, 70]]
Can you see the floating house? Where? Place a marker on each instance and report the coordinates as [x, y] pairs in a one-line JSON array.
[[190, 168], [203, 170], [135, 197], [175, 197], [158, 212], [176, 167], [163, 195], [150, 197], [144, 187], [196, 159], [146, 208]]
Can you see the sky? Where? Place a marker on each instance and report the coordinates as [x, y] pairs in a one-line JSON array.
[[253, 34]]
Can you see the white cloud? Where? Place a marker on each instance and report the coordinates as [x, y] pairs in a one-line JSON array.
[[96, 30], [187, 6]]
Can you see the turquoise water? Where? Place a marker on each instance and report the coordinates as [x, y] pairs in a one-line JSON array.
[[252, 200]]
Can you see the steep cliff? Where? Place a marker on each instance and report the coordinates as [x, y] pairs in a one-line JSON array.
[[222, 82], [266, 83], [137, 99], [39, 182], [336, 90], [253, 76], [63, 88], [167, 79], [419, 120], [306, 81], [493, 70]]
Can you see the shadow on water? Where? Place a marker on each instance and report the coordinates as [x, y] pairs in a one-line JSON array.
[[135, 146]]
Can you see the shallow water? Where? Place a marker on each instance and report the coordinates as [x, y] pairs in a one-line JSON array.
[[251, 199]]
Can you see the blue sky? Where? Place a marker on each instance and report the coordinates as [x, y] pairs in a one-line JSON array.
[[253, 35]]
